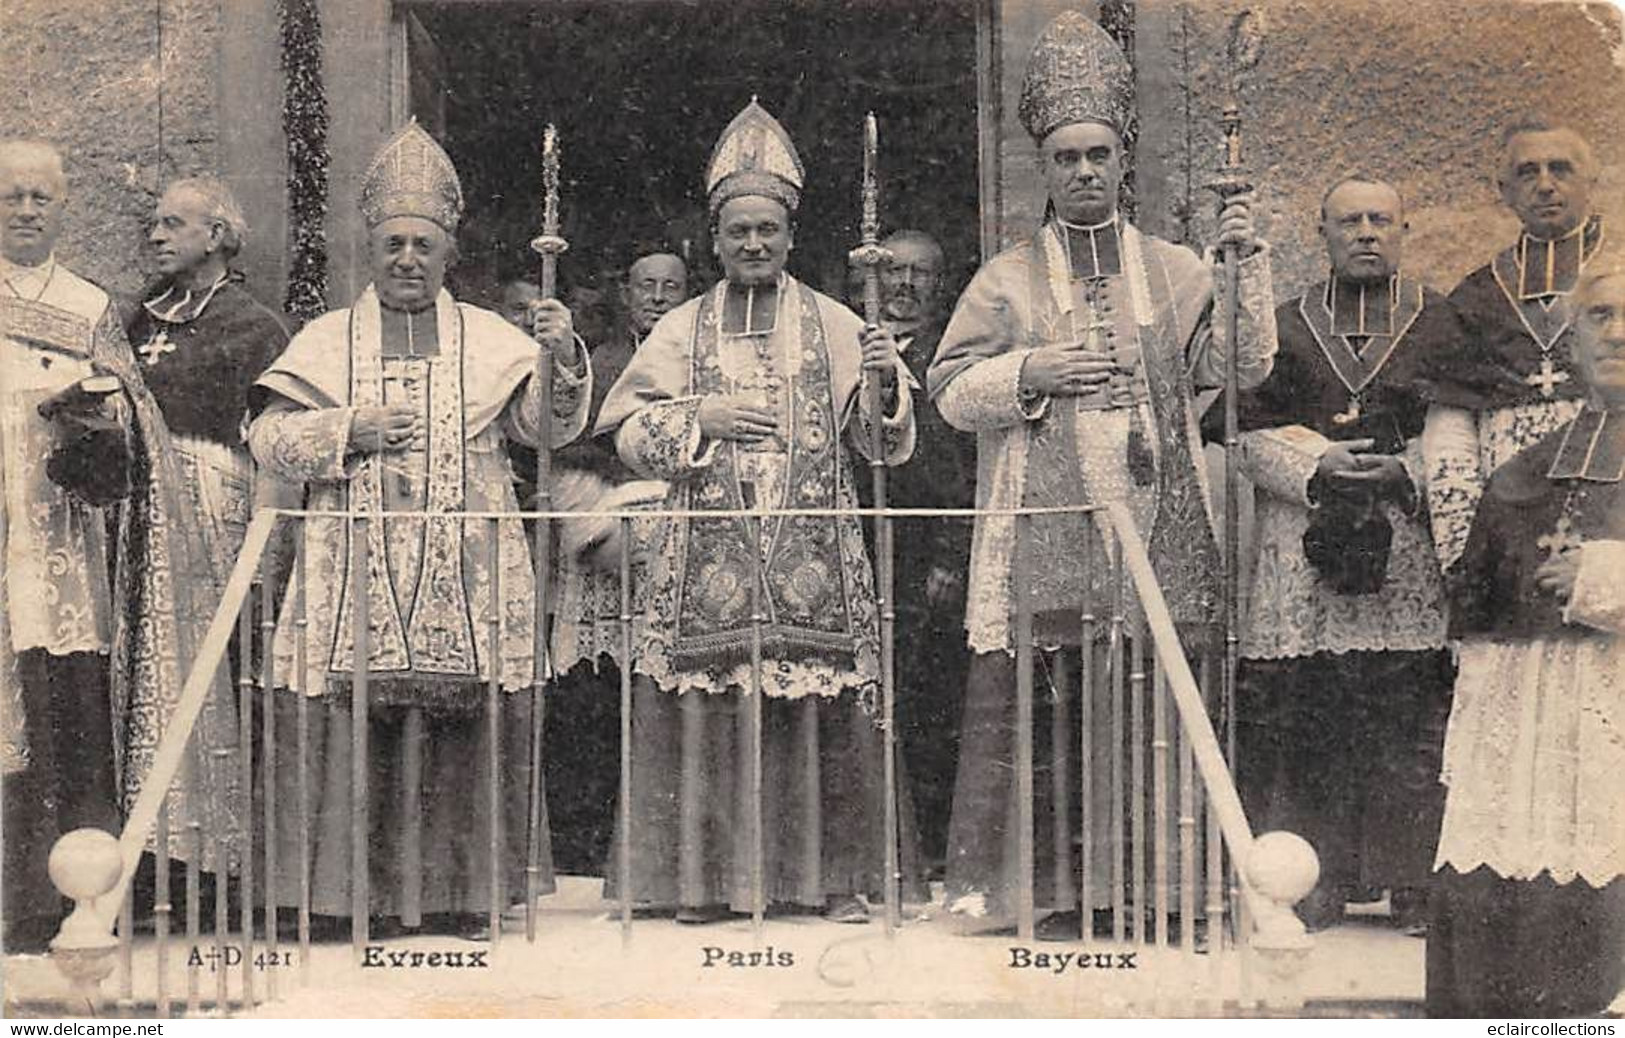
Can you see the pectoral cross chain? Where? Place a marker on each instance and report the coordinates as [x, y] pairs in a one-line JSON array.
[[1548, 377]]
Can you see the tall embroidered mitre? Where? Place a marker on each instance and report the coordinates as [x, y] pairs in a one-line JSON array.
[[1075, 73], [411, 176], [754, 156]]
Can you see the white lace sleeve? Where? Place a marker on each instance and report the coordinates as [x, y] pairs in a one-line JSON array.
[[1281, 462], [1454, 481]]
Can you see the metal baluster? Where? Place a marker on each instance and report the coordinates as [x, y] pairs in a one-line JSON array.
[[1189, 877], [194, 876], [1115, 665], [245, 776], [268, 768], [1086, 752], [1060, 731], [1214, 845], [1137, 841], [360, 878], [411, 847], [161, 906], [219, 763], [623, 861], [296, 687], [493, 735], [1159, 792], [758, 864], [1022, 583]]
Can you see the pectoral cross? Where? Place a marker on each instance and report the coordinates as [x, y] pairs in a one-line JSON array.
[[154, 348], [1350, 413], [1548, 378], [1095, 330], [1561, 540], [403, 383]]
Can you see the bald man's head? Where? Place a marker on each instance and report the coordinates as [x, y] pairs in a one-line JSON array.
[[1362, 220], [33, 192]]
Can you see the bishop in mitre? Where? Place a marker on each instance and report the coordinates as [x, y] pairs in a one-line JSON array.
[[745, 398], [403, 402], [1074, 359]]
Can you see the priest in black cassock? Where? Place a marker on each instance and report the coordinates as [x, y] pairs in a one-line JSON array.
[[1529, 901], [932, 554], [201, 340], [1507, 382], [1343, 673]]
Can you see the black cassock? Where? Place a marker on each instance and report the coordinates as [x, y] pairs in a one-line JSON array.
[[1337, 744]]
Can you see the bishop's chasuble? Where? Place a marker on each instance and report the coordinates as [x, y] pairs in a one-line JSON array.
[[1150, 306], [1153, 307], [431, 593], [822, 789]]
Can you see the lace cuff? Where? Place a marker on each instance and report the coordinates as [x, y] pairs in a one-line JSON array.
[[1597, 600], [988, 396], [1282, 461], [1451, 475], [1255, 325], [304, 446], [663, 440]]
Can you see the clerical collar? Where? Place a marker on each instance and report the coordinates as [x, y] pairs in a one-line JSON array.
[[1362, 308], [28, 282], [1550, 267], [1593, 448], [756, 320], [180, 308], [1093, 251]]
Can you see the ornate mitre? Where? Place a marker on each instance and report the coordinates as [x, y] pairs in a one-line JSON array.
[[412, 176], [754, 156], [1076, 73]]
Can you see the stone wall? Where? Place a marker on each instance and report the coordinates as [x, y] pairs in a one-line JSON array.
[[1418, 92], [127, 89]]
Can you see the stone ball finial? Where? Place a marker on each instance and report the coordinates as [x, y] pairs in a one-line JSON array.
[[85, 864], [1283, 867]]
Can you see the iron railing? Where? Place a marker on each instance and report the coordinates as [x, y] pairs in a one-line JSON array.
[[1247, 886]]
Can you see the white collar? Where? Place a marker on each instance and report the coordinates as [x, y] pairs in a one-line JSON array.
[[17, 272]]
